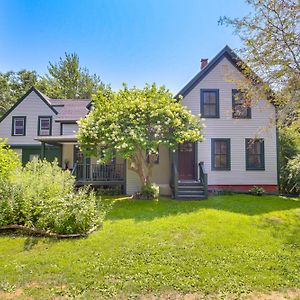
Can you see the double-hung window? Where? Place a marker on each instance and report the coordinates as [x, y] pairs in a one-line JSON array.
[[241, 107], [44, 125], [209, 103], [220, 154], [255, 154], [18, 126]]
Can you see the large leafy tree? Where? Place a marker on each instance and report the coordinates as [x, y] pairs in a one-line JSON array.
[[13, 85], [67, 80], [271, 49], [133, 122]]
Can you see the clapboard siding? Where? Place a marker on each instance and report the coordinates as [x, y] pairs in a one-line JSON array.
[[235, 129], [161, 174], [31, 107], [69, 129]]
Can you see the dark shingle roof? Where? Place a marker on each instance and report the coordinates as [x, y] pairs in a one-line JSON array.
[[70, 109]]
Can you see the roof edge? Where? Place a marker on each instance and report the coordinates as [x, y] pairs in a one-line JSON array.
[[32, 89]]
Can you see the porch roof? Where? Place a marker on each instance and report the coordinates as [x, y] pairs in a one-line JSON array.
[[57, 139]]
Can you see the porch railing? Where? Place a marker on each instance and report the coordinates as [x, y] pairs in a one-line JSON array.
[[202, 177], [97, 172]]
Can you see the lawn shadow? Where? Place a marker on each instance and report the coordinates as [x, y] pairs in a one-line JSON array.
[[143, 210]]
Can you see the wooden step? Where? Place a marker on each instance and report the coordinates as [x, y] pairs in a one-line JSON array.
[[191, 197]]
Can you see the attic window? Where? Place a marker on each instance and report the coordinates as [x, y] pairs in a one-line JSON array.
[[209, 99], [45, 124]]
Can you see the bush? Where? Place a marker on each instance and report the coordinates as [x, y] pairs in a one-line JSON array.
[[293, 170], [148, 191], [289, 150], [256, 190], [42, 196], [9, 160]]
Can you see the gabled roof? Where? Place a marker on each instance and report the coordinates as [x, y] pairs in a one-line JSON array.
[[41, 96], [71, 109], [225, 52]]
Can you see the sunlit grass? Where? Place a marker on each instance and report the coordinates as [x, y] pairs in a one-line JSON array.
[[229, 244]]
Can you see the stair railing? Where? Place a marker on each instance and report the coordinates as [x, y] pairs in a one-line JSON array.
[[74, 171], [203, 178], [175, 173]]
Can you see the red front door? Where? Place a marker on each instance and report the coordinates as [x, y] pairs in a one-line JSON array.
[[186, 161]]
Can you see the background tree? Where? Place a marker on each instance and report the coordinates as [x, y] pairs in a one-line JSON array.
[[13, 85], [134, 121], [271, 49], [67, 80]]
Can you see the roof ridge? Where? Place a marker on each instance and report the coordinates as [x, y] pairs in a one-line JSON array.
[[202, 73]]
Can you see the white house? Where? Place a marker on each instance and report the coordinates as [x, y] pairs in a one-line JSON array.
[[239, 150]]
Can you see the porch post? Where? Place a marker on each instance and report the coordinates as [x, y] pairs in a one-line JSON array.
[[84, 169], [43, 151]]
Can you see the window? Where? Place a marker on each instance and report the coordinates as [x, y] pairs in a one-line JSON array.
[[240, 106], [44, 125], [255, 154], [210, 103], [154, 157], [18, 126], [220, 154]]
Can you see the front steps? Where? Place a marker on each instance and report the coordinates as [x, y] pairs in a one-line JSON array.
[[192, 190]]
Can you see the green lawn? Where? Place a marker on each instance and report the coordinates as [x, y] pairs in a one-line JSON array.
[[227, 245]]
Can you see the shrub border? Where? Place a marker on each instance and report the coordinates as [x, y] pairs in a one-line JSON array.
[[44, 233]]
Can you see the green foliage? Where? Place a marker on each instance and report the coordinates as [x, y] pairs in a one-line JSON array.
[[134, 120], [270, 36], [42, 196], [257, 190], [221, 248], [148, 191], [289, 151], [67, 80], [293, 170], [9, 160], [13, 85]]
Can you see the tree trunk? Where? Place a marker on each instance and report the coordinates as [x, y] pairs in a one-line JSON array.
[[139, 165]]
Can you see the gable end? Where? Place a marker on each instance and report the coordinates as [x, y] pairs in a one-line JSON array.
[[33, 89]]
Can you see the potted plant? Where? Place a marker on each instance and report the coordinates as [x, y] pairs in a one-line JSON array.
[[66, 162]]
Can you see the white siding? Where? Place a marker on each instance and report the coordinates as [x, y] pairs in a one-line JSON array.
[[31, 107], [161, 174], [235, 129], [69, 129]]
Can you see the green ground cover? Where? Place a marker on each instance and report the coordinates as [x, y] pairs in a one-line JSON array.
[[229, 245]]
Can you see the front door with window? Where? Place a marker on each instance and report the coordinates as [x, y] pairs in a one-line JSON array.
[[186, 161]]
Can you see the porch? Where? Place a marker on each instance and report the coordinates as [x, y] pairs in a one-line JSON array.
[[86, 170]]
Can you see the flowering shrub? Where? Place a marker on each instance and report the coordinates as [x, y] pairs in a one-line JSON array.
[[133, 122], [42, 196]]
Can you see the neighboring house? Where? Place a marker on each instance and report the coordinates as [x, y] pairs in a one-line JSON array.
[[239, 150]]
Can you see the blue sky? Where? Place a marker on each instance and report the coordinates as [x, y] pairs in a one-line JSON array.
[[132, 41]]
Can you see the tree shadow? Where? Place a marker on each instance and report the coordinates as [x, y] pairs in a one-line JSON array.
[[143, 210]]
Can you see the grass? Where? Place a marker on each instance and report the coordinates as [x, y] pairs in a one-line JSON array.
[[227, 245]]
